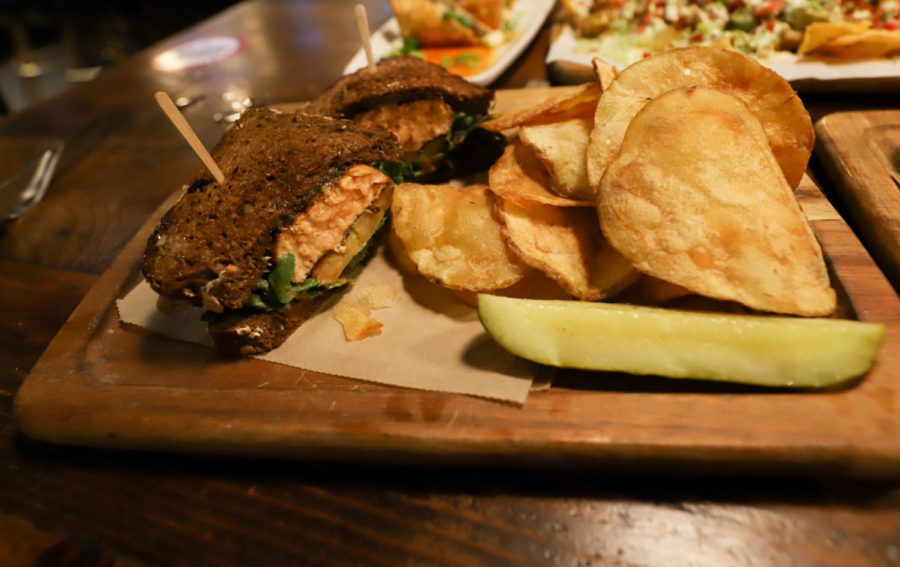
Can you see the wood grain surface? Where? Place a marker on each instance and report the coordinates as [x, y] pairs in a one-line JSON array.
[[858, 147], [74, 506], [100, 384]]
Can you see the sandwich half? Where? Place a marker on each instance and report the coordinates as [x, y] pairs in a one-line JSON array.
[[261, 250], [434, 114]]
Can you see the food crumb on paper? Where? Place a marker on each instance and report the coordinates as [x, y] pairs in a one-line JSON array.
[[354, 312]]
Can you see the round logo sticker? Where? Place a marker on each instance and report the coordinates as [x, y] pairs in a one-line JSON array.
[[197, 53]]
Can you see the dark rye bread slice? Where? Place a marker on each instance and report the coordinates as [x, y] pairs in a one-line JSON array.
[[211, 247], [246, 331], [398, 80]]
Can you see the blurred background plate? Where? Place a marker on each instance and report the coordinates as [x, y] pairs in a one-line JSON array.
[[569, 61], [527, 16]]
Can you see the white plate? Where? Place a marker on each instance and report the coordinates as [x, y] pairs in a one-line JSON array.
[[528, 15], [806, 71]]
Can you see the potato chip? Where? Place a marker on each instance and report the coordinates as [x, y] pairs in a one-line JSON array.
[[519, 176], [578, 101], [567, 245], [561, 147], [652, 291], [452, 237], [535, 285], [400, 256], [769, 97], [818, 34], [716, 218], [354, 312], [871, 44], [604, 72]]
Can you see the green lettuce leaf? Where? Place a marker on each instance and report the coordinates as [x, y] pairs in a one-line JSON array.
[[276, 291]]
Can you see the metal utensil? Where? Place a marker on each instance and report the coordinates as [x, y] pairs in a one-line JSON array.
[[24, 189], [37, 186]]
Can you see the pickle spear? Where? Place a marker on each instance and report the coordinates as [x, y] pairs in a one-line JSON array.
[[750, 349]]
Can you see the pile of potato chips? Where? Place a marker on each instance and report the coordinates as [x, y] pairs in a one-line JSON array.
[[672, 177]]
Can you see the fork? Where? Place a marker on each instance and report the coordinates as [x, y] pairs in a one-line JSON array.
[[36, 186]]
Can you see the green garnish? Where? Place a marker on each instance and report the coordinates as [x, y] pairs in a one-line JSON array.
[[399, 171], [410, 47], [461, 18], [276, 291], [468, 59], [463, 125]]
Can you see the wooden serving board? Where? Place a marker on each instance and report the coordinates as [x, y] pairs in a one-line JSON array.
[[99, 384], [856, 150]]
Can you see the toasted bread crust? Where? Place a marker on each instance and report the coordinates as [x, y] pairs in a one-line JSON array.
[[398, 80], [245, 332], [211, 247]]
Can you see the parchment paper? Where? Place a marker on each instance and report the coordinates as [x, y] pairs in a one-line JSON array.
[[430, 340]]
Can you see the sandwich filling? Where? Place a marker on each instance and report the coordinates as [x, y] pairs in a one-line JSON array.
[[322, 228], [414, 123]]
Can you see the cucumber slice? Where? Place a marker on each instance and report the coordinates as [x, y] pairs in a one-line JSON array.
[[751, 349]]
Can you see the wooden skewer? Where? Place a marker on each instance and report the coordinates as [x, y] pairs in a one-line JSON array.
[[165, 102], [363, 22]]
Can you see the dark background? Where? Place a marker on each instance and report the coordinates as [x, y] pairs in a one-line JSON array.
[[47, 45]]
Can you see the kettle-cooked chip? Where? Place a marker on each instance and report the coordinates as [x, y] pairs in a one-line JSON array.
[[768, 96], [652, 291], [535, 285], [575, 101], [561, 147], [567, 245], [717, 218], [604, 72], [519, 176], [452, 237]]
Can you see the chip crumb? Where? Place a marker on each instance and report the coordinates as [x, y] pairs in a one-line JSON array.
[[354, 312]]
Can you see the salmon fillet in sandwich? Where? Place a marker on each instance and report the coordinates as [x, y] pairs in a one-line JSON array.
[[261, 250], [434, 114]]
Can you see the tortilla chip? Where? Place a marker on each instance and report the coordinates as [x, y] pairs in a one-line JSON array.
[[871, 44], [818, 34], [716, 218]]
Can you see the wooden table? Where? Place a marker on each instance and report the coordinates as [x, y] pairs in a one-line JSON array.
[[67, 506]]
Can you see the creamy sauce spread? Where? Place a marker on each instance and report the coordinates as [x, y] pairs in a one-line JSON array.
[[414, 123], [322, 226]]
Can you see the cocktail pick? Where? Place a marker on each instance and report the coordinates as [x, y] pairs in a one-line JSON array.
[[165, 102], [363, 23]]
